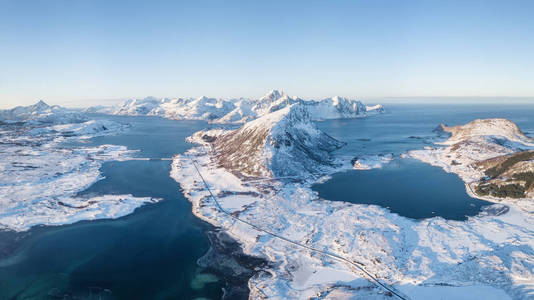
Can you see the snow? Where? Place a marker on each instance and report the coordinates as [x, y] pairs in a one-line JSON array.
[[368, 162], [40, 179], [225, 111], [433, 251], [83, 130], [336, 108], [488, 256], [237, 203], [242, 113], [68, 210], [457, 293], [378, 108], [305, 277], [40, 113], [276, 144], [486, 127], [473, 142]]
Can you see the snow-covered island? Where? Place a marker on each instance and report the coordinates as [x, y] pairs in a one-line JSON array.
[[40, 179], [492, 156], [254, 182], [241, 110]]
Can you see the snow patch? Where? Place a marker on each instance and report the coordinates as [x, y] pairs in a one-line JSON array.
[[368, 162]]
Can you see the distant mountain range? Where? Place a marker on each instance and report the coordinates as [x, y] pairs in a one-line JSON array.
[[41, 112], [214, 110], [241, 110]]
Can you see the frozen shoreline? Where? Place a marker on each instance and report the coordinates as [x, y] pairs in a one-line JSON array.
[[40, 178], [417, 257]]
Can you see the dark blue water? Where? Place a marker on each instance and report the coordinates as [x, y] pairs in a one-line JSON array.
[[151, 253], [155, 137], [407, 187]]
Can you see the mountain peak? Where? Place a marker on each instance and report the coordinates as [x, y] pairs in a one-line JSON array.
[[273, 95], [281, 143], [41, 105]]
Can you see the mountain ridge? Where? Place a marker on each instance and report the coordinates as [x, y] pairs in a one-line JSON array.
[[238, 110], [39, 113]]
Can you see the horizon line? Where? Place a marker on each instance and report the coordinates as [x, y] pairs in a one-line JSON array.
[[79, 102]]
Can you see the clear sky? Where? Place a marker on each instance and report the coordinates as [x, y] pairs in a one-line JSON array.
[[77, 52]]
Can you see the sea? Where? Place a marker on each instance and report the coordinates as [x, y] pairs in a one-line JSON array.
[[157, 251]]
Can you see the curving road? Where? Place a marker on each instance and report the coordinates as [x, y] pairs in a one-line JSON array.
[[354, 265]]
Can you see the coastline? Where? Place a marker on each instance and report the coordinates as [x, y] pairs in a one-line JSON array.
[[275, 212]]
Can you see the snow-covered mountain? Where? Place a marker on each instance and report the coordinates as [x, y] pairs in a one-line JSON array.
[[242, 113], [134, 107], [281, 143], [241, 110], [41, 119], [41, 112], [202, 108], [502, 128], [336, 108]]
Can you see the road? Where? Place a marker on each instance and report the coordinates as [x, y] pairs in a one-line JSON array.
[[353, 264]]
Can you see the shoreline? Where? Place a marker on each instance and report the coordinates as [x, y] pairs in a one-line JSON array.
[[16, 249], [256, 244], [353, 264], [231, 228]]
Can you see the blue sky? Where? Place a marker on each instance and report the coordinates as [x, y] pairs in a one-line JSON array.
[[84, 52]]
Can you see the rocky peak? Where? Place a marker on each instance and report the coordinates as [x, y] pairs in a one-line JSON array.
[[281, 143], [40, 105], [272, 95]]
